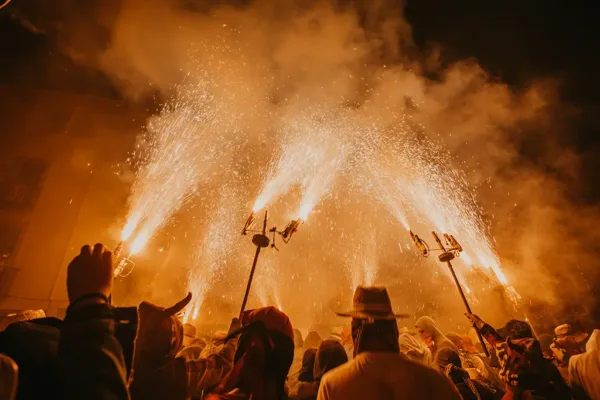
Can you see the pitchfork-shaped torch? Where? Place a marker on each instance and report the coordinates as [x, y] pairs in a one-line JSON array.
[[447, 255], [261, 240]]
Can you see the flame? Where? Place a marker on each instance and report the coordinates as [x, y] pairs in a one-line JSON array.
[[140, 242], [260, 203], [305, 209], [499, 274], [130, 226], [466, 258]]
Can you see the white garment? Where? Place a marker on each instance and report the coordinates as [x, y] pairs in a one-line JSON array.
[[584, 369], [384, 375], [414, 349]]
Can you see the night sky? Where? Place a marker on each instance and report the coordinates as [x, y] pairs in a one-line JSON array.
[[518, 41]]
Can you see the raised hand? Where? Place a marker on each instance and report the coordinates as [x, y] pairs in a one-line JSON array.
[[91, 272], [475, 320]]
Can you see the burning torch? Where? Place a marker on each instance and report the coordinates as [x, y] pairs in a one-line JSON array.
[[421, 245], [447, 255], [290, 229], [248, 224], [123, 262]]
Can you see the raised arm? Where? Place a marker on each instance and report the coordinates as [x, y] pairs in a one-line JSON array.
[[91, 358]]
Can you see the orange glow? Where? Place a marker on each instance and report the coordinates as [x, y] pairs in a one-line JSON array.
[[140, 242], [131, 225]]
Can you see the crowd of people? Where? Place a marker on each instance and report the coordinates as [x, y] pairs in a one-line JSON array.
[[103, 352]]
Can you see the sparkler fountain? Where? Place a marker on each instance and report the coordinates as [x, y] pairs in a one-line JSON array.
[[360, 161], [447, 255]]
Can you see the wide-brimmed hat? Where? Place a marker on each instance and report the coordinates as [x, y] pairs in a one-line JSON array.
[[371, 303]]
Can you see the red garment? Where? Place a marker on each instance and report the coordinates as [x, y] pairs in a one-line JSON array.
[[261, 362], [273, 319]]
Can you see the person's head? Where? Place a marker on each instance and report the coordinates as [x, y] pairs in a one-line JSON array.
[[331, 354], [159, 334], [336, 334], [264, 354], [378, 335], [456, 339], [159, 338], [448, 361], [189, 334], [515, 329], [411, 346], [427, 329], [448, 356], [313, 340], [308, 364], [468, 344], [570, 335], [374, 326]]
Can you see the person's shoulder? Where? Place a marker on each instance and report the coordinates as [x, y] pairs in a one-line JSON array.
[[433, 382], [422, 372], [340, 372]]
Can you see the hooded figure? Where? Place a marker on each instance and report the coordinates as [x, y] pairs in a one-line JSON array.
[[304, 375], [584, 369], [193, 346], [159, 372], [308, 365], [298, 364], [331, 354], [414, 349], [523, 368], [474, 364], [313, 340], [434, 338], [468, 389], [263, 357], [570, 341]]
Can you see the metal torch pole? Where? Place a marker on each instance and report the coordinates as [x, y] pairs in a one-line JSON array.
[[460, 290], [264, 231], [466, 303]]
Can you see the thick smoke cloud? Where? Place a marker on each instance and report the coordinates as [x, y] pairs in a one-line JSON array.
[[268, 64]]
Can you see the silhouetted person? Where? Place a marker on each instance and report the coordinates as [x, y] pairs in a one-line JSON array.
[[379, 370]]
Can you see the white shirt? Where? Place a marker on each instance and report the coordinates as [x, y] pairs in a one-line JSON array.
[[584, 369], [385, 375]]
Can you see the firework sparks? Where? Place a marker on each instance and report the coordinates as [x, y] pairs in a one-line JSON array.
[[211, 254], [322, 154], [319, 184], [175, 153]]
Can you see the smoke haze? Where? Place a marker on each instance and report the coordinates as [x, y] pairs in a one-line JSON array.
[[284, 75]]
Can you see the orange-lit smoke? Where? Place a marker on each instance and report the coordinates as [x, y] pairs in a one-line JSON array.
[[296, 108]]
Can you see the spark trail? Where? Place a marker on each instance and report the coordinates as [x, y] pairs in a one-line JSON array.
[[170, 171]]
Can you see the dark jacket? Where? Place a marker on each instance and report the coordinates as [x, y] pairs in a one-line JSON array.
[[33, 345], [90, 357]]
